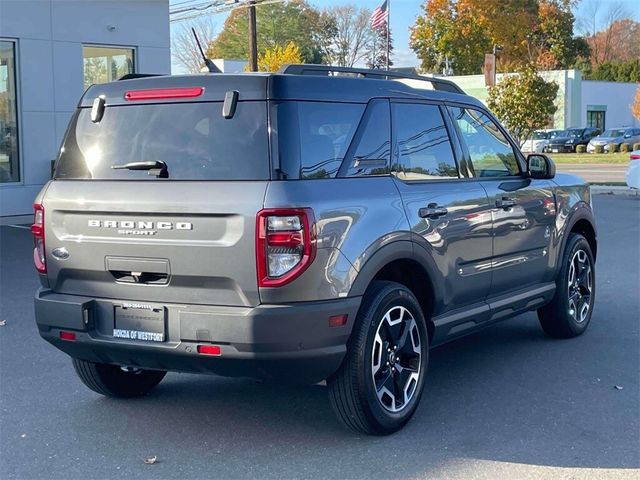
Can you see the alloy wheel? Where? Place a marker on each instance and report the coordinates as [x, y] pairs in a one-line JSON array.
[[580, 286], [396, 359]]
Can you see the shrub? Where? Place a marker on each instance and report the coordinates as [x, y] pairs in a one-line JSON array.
[[636, 146], [581, 148], [625, 147], [599, 149], [613, 147]]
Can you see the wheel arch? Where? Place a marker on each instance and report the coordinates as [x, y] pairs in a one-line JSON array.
[[398, 262]]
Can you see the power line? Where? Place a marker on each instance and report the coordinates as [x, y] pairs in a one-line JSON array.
[[211, 7]]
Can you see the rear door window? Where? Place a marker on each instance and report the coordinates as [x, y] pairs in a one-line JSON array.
[[193, 139], [423, 143]]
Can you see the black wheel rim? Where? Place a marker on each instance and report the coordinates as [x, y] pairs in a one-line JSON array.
[[396, 359], [580, 283]]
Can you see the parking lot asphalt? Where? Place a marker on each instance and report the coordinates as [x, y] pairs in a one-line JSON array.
[[507, 402]]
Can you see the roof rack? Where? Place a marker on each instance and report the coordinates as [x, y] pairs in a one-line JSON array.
[[326, 70]]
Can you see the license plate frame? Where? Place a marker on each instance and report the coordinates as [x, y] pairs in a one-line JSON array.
[[140, 322]]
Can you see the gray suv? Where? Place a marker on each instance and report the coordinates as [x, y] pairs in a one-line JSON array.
[[315, 224]]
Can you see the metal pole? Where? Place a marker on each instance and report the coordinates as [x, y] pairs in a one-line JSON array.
[[388, 22], [253, 39]]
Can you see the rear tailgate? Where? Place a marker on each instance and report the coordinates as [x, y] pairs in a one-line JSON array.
[[172, 242]]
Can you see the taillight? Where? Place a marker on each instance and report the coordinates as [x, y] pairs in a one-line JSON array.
[[635, 156], [37, 229], [285, 244]]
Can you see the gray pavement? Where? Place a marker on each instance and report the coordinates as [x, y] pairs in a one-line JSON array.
[[504, 403], [596, 173]]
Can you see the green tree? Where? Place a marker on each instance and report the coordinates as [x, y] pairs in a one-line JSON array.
[[620, 71], [277, 25], [524, 102]]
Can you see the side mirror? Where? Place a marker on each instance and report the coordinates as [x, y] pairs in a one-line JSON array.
[[540, 166]]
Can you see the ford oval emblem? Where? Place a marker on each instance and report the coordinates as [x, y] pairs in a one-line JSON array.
[[60, 253]]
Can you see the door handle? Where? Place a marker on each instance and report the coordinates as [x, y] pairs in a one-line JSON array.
[[432, 211], [505, 203]]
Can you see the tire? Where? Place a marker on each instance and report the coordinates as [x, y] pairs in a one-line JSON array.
[[114, 381], [569, 313], [389, 316]]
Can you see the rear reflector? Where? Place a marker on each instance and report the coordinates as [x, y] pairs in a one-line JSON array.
[[338, 320], [209, 350], [164, 93], [70, 336]]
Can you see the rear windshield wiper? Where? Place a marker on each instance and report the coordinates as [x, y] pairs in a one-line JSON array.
[[155, 167]]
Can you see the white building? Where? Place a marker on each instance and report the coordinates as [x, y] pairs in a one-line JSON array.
[[50, 51], [581, 103]]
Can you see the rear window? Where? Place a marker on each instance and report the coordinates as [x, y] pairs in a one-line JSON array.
[[193, 139]]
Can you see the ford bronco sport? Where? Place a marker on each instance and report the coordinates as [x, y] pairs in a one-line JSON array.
[[315, 224]]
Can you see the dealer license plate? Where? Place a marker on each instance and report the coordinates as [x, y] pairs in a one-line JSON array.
[[139, 321]]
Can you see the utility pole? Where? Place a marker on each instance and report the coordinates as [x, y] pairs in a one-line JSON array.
[[253, 39]]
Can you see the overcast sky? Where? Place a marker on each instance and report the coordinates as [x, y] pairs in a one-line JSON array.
[[404, 13]]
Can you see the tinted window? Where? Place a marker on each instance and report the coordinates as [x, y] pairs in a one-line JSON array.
[[371, 154], [193, 139], [424, 147], [491, 153], [314, 136]]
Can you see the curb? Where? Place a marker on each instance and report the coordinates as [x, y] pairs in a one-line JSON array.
[[614, 190]]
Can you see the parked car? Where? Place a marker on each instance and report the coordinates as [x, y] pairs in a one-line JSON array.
[[301, 227], [569, 139], [633, 172], [538, 140], [615, 135]]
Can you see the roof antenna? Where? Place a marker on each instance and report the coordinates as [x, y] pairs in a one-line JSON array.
[[207, 61]]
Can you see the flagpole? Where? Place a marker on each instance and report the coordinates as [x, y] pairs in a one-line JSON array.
[[388, 22]]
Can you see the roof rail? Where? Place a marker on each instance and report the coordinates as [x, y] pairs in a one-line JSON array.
[[130, 76], [326, 70]]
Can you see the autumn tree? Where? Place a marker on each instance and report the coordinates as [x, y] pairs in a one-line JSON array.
[[274, 58], [523, 102], [447, 30], [635, 107], [184, 48], [552, 44], [277, 25], [377, 51], [538, 31]]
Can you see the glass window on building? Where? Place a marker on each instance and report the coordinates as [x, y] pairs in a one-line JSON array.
[[9, 162], [596, 119], [105, 64]]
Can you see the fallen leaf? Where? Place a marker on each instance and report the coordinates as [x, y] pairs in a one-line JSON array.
[[24, 435], [618, 387], [151, 460], [3, 323]]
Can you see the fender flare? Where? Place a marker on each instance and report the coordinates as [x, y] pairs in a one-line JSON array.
[[399, 250], [580, 211]]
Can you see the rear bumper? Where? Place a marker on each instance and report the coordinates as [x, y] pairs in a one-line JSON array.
[[290, 342]]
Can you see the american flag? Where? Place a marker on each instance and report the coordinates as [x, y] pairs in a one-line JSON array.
[[379, 16]]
